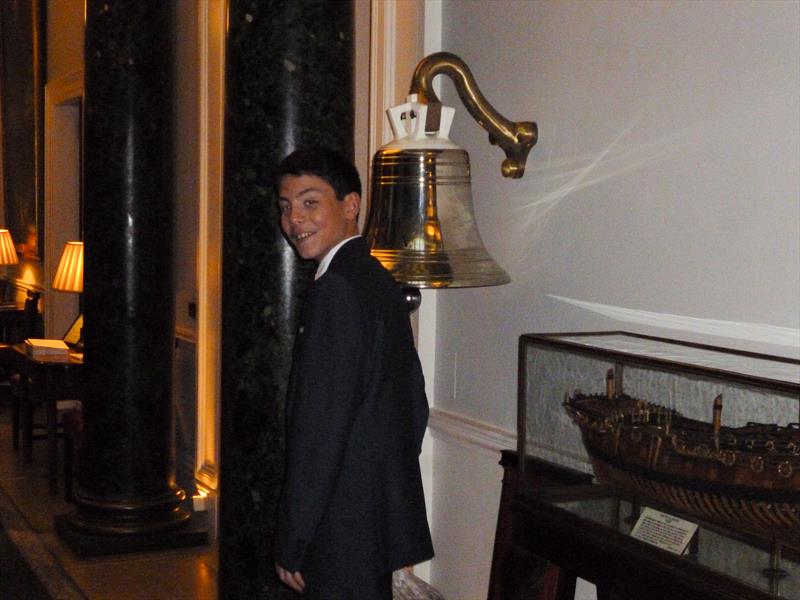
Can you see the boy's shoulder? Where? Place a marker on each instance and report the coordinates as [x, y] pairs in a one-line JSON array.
[[355, 260], [356, 265]]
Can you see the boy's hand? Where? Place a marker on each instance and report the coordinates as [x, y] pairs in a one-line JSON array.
[[293, 580]]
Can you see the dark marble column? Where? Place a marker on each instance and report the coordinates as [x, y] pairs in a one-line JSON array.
[[289, 82], [127, 486]]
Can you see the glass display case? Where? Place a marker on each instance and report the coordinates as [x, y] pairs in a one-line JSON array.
[[682, 376], [710, 433], [689, 403]]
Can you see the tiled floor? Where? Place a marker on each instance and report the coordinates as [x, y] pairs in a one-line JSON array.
[[27, 512]]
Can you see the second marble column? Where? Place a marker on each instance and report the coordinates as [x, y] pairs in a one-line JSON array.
[[126, 486], [289, 83]]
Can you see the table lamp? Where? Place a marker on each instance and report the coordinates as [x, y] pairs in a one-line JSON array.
[[69, 278], [8, 254], [69, 275]]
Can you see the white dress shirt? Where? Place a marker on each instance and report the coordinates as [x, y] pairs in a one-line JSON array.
[[326, 260]]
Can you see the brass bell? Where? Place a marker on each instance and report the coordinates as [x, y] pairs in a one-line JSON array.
[[420, 223]]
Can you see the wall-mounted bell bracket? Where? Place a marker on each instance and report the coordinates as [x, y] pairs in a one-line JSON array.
[[515, 138]]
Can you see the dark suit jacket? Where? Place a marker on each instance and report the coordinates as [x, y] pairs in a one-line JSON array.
[[356, 414]]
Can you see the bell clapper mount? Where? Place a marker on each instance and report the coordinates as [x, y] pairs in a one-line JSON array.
[[515, 138]]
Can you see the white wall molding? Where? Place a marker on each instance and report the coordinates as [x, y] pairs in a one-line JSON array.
[[396, 44], [62, 174], [362, 80], [448, 426], [211, 35]]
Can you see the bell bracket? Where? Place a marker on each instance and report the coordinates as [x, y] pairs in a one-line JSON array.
[[515, 138]]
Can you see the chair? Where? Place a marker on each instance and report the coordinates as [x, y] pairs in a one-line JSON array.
[[72, 434], [55, 385], [16, 326]]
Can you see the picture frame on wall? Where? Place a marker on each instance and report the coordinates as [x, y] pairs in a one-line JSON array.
[[22, 54]]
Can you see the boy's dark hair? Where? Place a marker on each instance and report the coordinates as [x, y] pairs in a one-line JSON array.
[[327, 164]]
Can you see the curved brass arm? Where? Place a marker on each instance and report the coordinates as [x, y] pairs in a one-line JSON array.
[[515, 138]]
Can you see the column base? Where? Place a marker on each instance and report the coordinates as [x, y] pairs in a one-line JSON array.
[[130, 515], [193, 532]]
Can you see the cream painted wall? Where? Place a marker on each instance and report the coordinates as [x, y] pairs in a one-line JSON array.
[[663, 198], [63, 57], [65, 22], [186, 162], [65, 25], [62, 141]]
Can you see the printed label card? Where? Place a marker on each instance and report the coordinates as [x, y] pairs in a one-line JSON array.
[[664, 531]]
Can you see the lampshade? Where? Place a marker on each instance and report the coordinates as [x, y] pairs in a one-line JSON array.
[[69, 275], [8, 254]]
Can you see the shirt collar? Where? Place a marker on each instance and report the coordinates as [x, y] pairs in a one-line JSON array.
[[326, 260]]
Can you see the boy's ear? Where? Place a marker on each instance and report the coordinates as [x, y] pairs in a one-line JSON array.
[[352, 205]]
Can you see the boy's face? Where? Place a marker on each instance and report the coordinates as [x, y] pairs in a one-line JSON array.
[[312, 218]]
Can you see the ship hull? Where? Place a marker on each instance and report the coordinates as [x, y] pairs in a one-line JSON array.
[[742, 477]]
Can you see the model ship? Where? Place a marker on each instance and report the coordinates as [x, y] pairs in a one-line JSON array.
[[744, 476]]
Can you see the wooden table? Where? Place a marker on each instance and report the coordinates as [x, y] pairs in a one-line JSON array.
[[568, 531], [12, 318], [45, 381]]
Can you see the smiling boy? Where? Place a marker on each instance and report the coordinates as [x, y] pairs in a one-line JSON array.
[[352, 509]]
